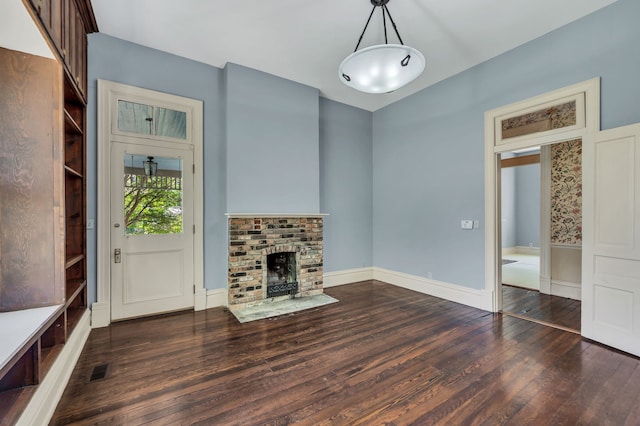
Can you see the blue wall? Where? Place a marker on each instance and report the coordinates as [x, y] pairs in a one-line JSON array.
[[428, 164], [520, 205], [272, 144], [528, 205], [346, 185], [508, 205], [123, 62]]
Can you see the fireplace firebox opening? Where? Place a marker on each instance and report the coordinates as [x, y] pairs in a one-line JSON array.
[[281, 274]]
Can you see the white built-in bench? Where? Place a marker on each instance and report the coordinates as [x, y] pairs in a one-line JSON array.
[[20, 329]]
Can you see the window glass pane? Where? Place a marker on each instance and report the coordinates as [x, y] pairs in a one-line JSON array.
[[135, 118], [171, 123], [555, 117], [152, 202]]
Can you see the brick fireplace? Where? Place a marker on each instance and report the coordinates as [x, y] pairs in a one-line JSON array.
[[273, 257]]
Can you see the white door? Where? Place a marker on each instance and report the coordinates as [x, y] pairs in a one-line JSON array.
[[152, 220], [611, 239]]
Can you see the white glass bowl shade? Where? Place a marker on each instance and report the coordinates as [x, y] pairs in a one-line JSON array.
[[379, 69]]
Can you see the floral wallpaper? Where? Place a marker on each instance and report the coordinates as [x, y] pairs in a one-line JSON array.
[[566, 193], [556, 117]]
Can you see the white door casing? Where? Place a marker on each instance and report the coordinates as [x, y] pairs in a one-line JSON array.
[[152, 273], [611, 239], [587, 98], [108, 95]]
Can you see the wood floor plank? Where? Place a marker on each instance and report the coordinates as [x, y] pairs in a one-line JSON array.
[[532, 304], [382, 355]]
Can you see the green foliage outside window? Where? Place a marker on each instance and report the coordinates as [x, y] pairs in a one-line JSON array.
[[151, 206]]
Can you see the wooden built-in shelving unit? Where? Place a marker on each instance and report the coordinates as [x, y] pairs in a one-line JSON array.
[[43, 286]]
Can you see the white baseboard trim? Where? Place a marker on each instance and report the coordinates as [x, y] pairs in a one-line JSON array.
[[217, 297], [566, 289], [200, 299], [567, 246], [521, 250], [480, 299], [535, 251], [49, 391], [545, 284], [100, 314], [347, 276]]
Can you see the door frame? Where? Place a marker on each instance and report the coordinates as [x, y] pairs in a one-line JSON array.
[[587, 95], [108, 92]]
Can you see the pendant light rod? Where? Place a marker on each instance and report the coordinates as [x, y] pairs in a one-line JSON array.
[[383, 7], [384, 25], [365, 28]]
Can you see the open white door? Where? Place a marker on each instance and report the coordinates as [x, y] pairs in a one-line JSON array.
[[611, 239]]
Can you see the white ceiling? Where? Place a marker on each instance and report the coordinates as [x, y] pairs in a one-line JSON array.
[[19, 31], [305, 40]]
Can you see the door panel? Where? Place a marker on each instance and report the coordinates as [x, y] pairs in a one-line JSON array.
[[152, 275], [152, 221], [611, 272], [615, 186], [616, 288]]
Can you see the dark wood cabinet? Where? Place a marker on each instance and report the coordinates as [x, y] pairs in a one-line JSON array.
[[72, 52], [50, 14], [43, 184], [67, 22]]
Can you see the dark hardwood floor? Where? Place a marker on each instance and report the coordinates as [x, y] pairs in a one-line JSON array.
[[382, 355], [531, 304]]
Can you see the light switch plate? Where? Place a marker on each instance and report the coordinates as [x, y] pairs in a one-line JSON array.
[[466, 224]]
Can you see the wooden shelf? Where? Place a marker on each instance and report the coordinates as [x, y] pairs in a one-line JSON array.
[[13, 402], [48, 357], [70, 125], [74, 287], [73, 260], [73, 317], [72, 172], [71, 90]]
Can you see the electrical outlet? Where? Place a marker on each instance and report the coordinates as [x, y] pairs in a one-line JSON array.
[[90, 224], [466, 224]]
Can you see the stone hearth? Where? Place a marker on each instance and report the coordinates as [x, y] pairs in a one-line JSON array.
[[253, 238]]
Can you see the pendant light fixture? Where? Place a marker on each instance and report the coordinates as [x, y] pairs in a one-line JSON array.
[[150, 167], [381, 68]]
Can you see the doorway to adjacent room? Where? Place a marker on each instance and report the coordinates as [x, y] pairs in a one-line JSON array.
[[547, 193]]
